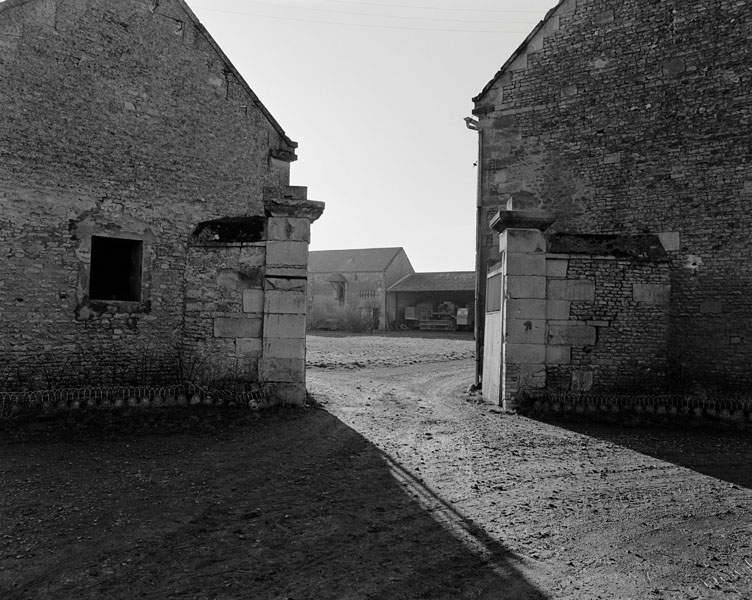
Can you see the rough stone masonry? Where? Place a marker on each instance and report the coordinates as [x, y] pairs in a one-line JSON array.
[[147, 224], [634, 117]]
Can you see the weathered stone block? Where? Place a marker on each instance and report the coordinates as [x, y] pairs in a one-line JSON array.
[[670, 240], [285, 284], [651, 293], [294, 254], [558, 355], [532, 377], [604, 17], [290, 370], [525, 331], [289, 229], [571, 289], [285, 302], [521, 286], [582, 381], [249, 347], [525, 309], [557, 267], [290, 393], [525, 354], [711, 307], [253, 301], [284, 326], [571, 335], [526, 264], [524, 241], [252, 257], [558, 309], [228, 327], [284, 348], [299, 273]]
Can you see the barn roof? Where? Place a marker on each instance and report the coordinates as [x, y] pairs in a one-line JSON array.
[[448, 281], [360, 260]]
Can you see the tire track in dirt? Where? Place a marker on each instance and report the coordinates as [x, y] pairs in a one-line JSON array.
[[590, 519]]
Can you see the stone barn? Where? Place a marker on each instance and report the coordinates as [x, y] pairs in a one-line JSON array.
[[148, 227], [348, 288], [614, 126]]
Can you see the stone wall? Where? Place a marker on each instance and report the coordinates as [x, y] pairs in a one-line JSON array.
[[607, 324], [575, 322], [122, 120], [631, 117]]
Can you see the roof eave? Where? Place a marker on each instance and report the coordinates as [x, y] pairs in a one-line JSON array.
[[520, 49], [236, 73]]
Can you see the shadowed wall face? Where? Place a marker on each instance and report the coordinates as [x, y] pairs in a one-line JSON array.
[[123, 128], [632, 118]]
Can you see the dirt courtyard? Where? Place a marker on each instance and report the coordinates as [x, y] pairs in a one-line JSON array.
[[394, 484]]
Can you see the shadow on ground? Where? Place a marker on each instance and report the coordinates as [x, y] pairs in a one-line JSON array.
[[293, 505], [723, 454]]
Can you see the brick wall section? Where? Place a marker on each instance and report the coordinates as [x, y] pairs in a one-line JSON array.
[[617, 323], [631, 117], [121, 119]]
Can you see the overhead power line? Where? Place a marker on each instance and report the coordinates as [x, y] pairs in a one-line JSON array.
[[338, 12], [367, 25]]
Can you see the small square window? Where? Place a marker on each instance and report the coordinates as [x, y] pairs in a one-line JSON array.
[[115, 272]]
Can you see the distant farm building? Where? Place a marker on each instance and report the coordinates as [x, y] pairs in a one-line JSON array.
[[435, 301], [614, 202], [347, 288], [149, 230]]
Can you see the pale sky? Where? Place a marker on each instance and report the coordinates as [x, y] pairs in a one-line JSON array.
[[375, 93]]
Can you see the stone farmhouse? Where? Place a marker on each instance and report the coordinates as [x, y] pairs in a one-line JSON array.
[[148, 227], [348, 288], [614, 201]]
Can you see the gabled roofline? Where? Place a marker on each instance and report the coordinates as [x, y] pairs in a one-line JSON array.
[[518, 52], [205, 32], [236, 73]]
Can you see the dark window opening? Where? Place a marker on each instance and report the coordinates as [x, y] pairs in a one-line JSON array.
[[339, 292], [493, 294], [115, 269]]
